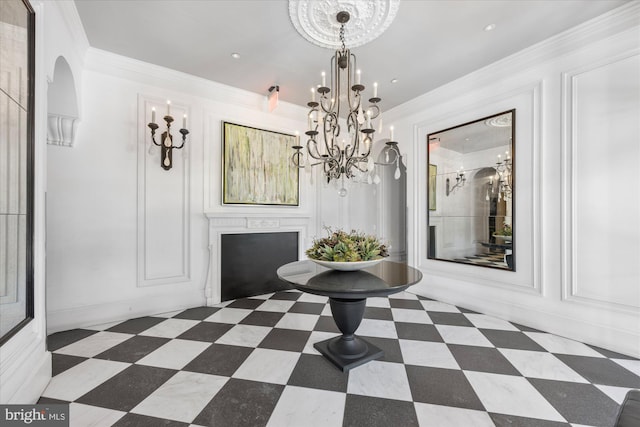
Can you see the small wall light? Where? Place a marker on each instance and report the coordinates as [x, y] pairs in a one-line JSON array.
[[166, 141]]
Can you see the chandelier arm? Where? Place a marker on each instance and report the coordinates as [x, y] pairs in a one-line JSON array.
[[331, 132], [332, 169], [369, 145], [357, 163], [376, 108], [352, 125], [295, 159], [350, 92], [395, 160], [317, 155]]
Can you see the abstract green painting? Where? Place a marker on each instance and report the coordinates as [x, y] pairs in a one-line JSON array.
[[257, 167]]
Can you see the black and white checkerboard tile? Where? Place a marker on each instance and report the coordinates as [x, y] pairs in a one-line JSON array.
[[491, 259], [251, 362]]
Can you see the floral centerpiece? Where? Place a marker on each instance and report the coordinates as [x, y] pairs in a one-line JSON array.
[[506, 233], [341, 246]]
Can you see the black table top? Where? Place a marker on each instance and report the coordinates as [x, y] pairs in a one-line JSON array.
[[380, 280]]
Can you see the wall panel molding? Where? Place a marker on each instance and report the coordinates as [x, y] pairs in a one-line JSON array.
[[574, 109], [527, 99], [163, 202]]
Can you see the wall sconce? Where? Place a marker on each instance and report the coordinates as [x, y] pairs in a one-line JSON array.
[[460, 180], [166, 142]]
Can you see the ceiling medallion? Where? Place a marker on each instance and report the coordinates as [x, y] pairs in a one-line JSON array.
[[499, 121], [316, 20]]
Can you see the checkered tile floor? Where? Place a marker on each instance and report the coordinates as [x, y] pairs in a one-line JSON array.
[[251, 362], [491, 259]]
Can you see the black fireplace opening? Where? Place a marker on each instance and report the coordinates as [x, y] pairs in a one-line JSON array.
[[249, 262]]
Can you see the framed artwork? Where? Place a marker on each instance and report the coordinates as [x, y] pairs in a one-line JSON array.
[[257, 168], [433, 171]]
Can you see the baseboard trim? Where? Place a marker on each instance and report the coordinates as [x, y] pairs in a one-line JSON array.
[[96, 314], [24, 382], [547, 316]]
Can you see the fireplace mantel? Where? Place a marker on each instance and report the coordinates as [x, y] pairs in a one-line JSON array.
[[236, 223]]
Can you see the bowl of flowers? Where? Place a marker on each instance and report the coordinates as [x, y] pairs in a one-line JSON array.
[[347, 251], [505, 234]]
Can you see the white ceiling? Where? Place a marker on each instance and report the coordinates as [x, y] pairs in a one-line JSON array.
[[429, 43]]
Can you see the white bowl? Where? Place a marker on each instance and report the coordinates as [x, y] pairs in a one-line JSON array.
[[505, 238], [347, 266]]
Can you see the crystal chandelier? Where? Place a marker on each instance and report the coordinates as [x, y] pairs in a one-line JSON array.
[[343, 152]]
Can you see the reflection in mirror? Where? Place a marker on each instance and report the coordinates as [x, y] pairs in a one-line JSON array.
[[470, 193], [16, 165]]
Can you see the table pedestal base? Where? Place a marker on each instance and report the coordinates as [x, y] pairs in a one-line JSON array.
[[348, 351], [345, 361]]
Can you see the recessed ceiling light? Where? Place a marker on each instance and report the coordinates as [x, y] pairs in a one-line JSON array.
[[394, 80], [490, 27], [235, 55]]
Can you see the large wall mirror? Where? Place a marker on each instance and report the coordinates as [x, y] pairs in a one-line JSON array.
[[16, 165], [470, 193]]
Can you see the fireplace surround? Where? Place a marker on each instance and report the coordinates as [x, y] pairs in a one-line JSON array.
[[221, 224]]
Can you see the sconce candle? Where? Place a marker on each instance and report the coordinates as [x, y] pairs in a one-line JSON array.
[[184, 121]]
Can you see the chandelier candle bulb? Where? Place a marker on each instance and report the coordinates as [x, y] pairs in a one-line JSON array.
[[168, 108], [391, 133], [153, 115], [369, 119], [184, 121], [375, 89], [358, 77], [324, 79], [313, 95]]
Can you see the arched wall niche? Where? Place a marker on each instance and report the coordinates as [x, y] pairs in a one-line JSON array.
[[62, 106]]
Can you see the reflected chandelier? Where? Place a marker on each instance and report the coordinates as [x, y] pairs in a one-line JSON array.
[[346, 156], [504, 174]]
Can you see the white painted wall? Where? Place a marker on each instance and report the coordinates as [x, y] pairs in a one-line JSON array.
[[25, 363], [127, 238], [577, 101]]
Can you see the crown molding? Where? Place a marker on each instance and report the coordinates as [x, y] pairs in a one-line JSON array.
[[104, 62], [611, 24], [73, 22]]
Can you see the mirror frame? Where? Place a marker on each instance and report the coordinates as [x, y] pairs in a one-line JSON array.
[[29, 235], [429, 248]]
